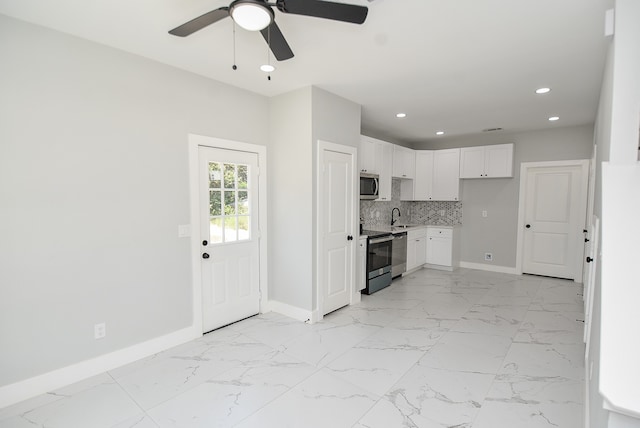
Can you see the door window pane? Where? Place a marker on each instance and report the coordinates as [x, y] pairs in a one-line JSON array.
[[243, 202], [243, 228], [215, 202], [229, 202], [230, 232], [215, 230], [229, 176], [242, 177], [215, 175]]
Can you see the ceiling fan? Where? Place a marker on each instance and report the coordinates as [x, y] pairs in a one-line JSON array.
[[258, 15]]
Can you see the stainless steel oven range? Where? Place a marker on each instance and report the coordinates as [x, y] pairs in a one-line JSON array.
[[379, 251]]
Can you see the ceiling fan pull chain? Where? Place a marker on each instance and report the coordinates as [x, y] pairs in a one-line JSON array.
[[269, 49], [235, 67]]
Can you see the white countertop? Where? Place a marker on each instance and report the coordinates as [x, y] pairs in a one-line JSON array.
[[408, 227]]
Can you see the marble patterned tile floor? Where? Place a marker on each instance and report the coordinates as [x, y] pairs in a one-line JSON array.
[[436, 349]]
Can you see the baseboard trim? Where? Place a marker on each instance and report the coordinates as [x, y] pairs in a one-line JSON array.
[[440, 267], [290, 311], [47, 382], [489, 268]]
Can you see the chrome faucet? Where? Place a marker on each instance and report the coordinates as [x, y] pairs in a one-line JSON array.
[[399, 215]]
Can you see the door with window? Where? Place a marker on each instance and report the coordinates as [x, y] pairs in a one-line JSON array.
[[229, 236]]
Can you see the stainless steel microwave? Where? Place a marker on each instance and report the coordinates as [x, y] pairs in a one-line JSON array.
[[368, 186]]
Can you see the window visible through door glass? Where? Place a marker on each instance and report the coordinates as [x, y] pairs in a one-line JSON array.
[[229, 202]]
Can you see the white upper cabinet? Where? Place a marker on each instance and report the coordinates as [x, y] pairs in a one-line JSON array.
[[446, 180], [404, 162], [384, 164], [436, 177], [423, 183], [376, 157], [486, 161], [367, 155]]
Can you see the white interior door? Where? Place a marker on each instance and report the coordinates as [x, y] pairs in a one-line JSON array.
[[229, 236], [555, 207], [336, 229]]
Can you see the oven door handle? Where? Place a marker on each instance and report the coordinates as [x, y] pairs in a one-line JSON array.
[[379, 240]]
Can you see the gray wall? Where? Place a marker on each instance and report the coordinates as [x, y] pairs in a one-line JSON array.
[[335, 120], [93, 184], [298, 120], [497, 233], [290, 199]]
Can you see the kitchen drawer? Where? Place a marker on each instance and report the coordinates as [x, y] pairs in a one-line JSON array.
[[440, 232], [417, 233]]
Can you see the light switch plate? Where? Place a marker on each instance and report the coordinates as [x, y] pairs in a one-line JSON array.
[[184, 230]]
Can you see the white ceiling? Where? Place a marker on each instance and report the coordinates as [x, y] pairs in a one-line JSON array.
[[454, 65]]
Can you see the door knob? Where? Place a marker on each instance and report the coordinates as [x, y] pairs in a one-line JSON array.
[[589, 259], [349, 238], [528, 226], [205, 255]]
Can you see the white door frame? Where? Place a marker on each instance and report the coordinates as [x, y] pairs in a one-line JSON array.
[[196, 141], [524, 168], [322, 146]]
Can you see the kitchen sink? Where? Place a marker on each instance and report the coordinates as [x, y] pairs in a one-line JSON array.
[[403, 226]]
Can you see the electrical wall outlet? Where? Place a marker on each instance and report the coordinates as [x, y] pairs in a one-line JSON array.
[[100, 330], [442, 213], [484, 213], [488, 257]]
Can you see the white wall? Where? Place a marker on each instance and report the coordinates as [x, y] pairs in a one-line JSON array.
[[93, 185], [618, 200], [497, 233]]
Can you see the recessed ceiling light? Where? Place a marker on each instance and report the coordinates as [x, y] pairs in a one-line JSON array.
[[543, 90], [401, 115], [554, 118], [267, 68], [440, 133]]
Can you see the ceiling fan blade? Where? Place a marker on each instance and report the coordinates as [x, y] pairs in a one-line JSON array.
[[278, 44], [200, 22], [324, 9]]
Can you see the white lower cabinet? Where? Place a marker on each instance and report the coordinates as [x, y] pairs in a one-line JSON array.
[[442, 248], [416, 248], [361, 276]]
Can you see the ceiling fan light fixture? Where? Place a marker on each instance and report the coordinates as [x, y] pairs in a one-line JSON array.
[[252, 15]]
